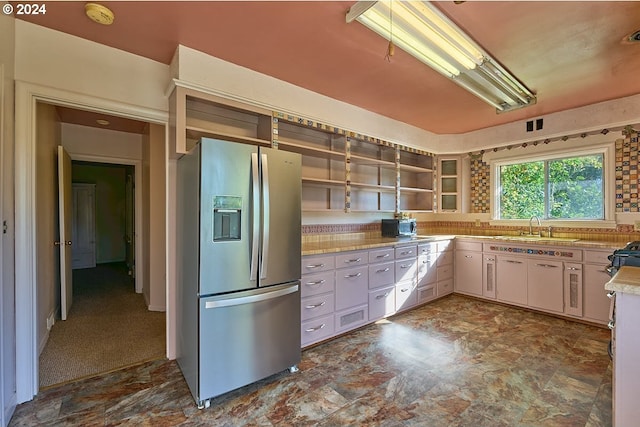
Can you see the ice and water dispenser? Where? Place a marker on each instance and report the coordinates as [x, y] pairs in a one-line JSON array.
[[227, 217]]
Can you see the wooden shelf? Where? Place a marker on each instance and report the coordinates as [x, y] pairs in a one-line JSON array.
[[310, 151], [193, 132], [374, 187], [417, 169], [367, 161], [323, 182], [415, 190]]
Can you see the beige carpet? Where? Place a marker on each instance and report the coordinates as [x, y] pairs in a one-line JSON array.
[[108, 327]]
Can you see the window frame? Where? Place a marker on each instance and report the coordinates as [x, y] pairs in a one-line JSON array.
[[608, 174]]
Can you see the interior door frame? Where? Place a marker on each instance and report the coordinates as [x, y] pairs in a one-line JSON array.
[[137, 195], [27, 95]]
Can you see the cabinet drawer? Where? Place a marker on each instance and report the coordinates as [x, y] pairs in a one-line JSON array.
[[315, 263], [314, 284], [445, 287], [427, 293], [350, 259], [468, 246], [381, 274], [445, 258], [445, 245], [352, 318], [406, 251], [316, 306], [426, 269], [352, 287], [427, 248], [382, 303], [444, 272], [381, 255], [317, 329], [597, 257], [406, 295], [406, 269]]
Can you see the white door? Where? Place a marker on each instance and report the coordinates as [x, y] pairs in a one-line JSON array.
[[65, 205], [84, 226]]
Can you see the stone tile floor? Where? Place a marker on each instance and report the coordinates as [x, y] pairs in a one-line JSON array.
[[454, 362]]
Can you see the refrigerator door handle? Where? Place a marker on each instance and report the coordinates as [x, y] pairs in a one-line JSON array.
[[265, 217], [255, 209], [250, 299]]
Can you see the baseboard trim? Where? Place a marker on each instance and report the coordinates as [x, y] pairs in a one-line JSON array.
[[156, 307]]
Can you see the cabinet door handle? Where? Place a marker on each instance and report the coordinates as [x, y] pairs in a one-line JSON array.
[[404, 290], [317, 328], [573, 268], [406, 252], [317, 282], [611, 294], [349, 261], [383, 256], [489, 259], [315, 266], [386, 294], [547, 265], [468, 256], [510, 261], [383, 270], [349, 276], [310, 306], [405, 266]]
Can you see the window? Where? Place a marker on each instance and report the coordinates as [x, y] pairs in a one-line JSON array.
[[556, 188]]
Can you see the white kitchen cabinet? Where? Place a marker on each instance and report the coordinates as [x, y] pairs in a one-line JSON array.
[[318, 283], [317, 263], [382, 302], [468, 272], [489, 276], [316, 306], [427, 292], [595, 302], [545, 288], [511, 279], [352, 287], [382, 274], [402, 252], [381, 255], [406, 295], [350, 259], [406, 270], [573, 289], [427, 269], [317, 329], [445, 287], [317, 291]]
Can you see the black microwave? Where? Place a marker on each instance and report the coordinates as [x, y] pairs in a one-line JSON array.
[[399, 227]]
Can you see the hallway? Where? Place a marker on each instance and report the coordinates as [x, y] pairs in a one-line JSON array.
[[109, 327]]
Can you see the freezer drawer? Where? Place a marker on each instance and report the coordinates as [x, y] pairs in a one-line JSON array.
[[247, 336]]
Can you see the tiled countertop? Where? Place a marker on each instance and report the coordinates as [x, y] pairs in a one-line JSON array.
[[340, 245], [626, 280]]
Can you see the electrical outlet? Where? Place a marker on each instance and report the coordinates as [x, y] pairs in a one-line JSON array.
[[477, 222], [636, 226]]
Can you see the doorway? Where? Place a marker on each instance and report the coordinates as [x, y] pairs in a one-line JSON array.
[[31, 323], [108, 161]]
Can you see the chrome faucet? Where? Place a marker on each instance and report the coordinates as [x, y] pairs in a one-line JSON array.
[[531, 226]]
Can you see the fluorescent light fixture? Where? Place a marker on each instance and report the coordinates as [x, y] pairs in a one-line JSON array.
[[423, 31]]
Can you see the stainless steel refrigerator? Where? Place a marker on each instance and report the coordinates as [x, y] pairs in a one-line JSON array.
[[238, 233]]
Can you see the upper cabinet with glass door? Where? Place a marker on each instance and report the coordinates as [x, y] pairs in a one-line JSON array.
[[449, 188]]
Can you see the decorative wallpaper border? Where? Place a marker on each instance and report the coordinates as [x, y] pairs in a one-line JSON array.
[[627, 177], [339, 131]]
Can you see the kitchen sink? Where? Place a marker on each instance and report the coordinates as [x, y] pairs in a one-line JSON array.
[[537, 239]]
